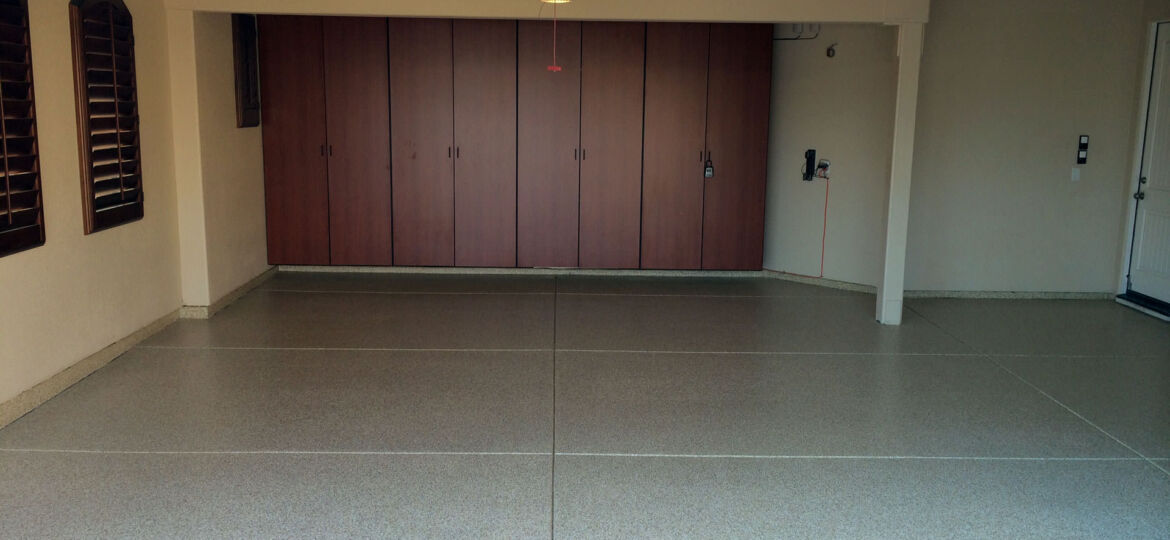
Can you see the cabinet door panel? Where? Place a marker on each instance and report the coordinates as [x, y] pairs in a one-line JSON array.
[[548, 144], [296, 180], [612, 73], [485, 142], [421, 142], [672, 183], [356, 88], [737, 138]]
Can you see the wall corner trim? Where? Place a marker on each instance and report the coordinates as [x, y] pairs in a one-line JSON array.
[[34, 397], [209, 311]]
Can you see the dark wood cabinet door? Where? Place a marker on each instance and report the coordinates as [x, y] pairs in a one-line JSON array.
[[296, 179], [673, 151], [612, 74], [737, 139], [548, 144], [422, 142], [485, 143], [356, 90]]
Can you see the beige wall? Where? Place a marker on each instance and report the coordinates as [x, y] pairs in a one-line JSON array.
[[1006, 88], [77, 293], [634, 10], [232, 165], [844, 108], [1157, 10]]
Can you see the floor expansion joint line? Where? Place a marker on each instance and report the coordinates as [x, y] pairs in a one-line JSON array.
[[369, 349], [763, 353], [1082, 417], [552, 488], [848, 457], [777, 457]]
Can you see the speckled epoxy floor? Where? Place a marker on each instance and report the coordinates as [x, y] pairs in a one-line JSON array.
[[460, 406]]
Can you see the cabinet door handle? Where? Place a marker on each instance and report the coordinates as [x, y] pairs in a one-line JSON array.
[[582, 154], [448, 152], [322, 150], [574, 154], [456, 152], [331, 150]]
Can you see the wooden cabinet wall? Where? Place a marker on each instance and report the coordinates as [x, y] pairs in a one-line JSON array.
[[422, 141], [431, 142], [549, 145], [326, 151], [357, 114], [708, 88], [612, 73], [485, 143], [675, 147], [296, 170]]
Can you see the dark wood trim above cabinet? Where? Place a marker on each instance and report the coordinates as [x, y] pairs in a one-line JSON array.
[[245, 56]]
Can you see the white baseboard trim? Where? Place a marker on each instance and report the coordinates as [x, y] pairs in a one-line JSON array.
[[444, 270], [32, 398], [1010, 295], [822, 282], [206, 312], [774, 274]]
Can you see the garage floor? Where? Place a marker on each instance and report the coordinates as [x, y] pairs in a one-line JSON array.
[[444, 406]]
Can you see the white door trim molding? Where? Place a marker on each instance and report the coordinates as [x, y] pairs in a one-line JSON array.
[[1138, 157]]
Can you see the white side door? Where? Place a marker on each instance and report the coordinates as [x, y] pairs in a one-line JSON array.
[[1149, 272]]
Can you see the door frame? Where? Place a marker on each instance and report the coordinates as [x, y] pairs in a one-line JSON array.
[[1138, 154]]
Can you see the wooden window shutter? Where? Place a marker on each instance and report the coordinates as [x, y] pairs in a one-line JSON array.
[[22, 224], [107, 112]]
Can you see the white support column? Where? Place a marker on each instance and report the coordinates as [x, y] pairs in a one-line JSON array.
[[188, 158], [892, 285]]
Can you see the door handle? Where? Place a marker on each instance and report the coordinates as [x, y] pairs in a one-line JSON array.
[[1141, 196], [1142, 181]]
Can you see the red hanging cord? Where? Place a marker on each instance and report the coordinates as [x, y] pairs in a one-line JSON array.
[[554, 67], [824, 235]]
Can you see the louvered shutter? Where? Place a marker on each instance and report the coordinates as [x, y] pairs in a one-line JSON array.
[[107, 104], [21, 217]]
